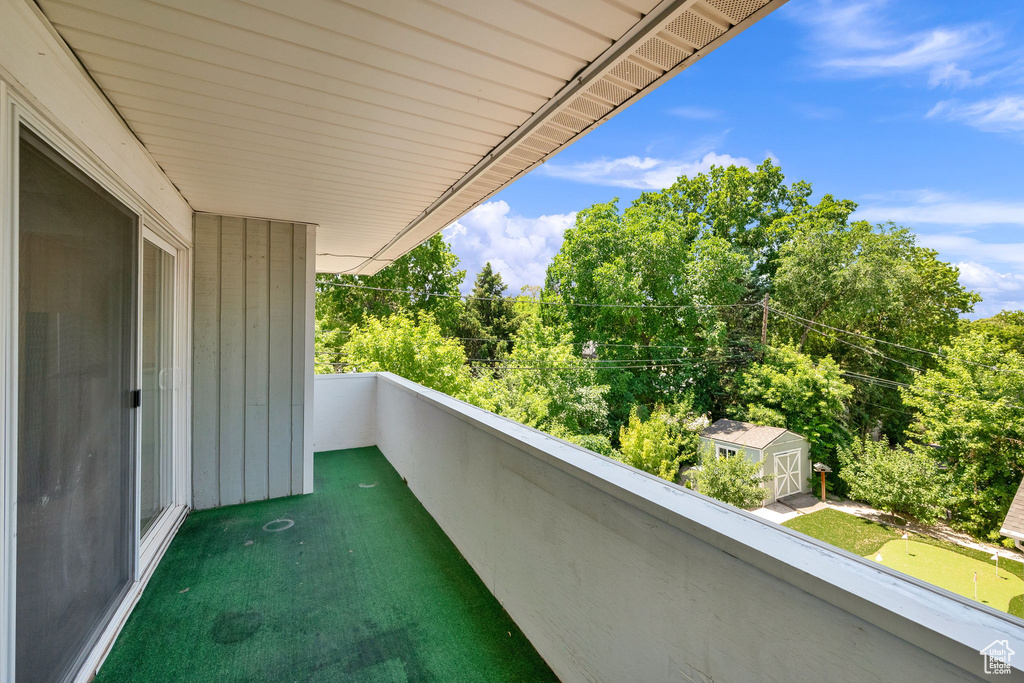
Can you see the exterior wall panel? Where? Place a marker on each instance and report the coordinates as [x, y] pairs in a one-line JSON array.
[[251, 338]]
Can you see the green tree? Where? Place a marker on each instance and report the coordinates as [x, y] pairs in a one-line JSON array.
[[904, 480], [736, 479], [412, 348], [430, 269], [872, 280], [489, 319], [544, 383], [327, 343], [971, 409], [678, 261], [652, 445], [789, 389], [1005, 328]]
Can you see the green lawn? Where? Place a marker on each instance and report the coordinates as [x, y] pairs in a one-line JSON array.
[[943, 564], [859, 536], [953, 571]]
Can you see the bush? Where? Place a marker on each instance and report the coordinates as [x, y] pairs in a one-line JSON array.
[[902, 479], [599, 443], [735, 479], [794, 391], [414, 349], [651, 446]]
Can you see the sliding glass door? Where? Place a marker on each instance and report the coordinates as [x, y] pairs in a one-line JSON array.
[[158, 380], [76, 503]]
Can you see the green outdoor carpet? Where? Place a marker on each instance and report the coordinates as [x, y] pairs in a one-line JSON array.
[[363, 587]]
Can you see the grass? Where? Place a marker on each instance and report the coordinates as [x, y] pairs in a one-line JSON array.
[[953, 571], [947, 566], [363, 587], [855, 534]]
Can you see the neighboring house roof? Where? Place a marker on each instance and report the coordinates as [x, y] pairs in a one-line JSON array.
[[743, 433], [1013, 525]]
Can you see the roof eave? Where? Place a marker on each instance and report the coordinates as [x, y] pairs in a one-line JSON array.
[[422, 227]]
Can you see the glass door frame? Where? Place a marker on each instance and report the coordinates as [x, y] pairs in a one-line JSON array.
[[149, 544], [17, 112]]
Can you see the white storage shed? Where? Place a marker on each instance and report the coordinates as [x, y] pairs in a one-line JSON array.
[[785, 454]]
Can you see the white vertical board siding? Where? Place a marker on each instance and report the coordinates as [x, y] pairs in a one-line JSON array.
[[250, 436]]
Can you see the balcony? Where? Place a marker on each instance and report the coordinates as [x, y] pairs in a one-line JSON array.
[[354, 582], [601, 571]]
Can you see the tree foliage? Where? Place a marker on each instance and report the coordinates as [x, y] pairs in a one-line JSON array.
[[652, 445], [904, 480], [735, 479], [667, 291], [971, 407], [327, 343], [430, 269], [791, 390], [1005, 328], [544, 383], [489, 319], [413, 348], [680, 257], [872, 280]]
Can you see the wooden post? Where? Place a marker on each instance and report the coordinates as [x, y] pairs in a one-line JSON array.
[[823, 486], [764, 323]]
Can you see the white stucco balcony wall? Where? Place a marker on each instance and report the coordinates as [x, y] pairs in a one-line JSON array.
[[615, 575]]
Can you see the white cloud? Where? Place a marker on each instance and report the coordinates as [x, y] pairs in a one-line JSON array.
[[858, 39], [993, 269], [999, 291], [633, 172], [925, 206], [997, 115], [696, 113], [951, 75], [518, 247], [961, 248]]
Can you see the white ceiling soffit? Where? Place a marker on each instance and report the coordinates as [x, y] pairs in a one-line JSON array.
[[381, 121]]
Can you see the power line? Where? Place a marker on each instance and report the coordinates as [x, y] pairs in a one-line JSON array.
[[893, 384], [596, 343], [656, 366], [873, 352], [590, 361], [598, 361], [652, 365], [901, 346], [469, 297]]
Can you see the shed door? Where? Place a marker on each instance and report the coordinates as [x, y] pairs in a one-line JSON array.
[[787, 473]]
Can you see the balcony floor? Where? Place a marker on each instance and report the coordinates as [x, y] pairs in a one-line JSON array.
[[364, 587]]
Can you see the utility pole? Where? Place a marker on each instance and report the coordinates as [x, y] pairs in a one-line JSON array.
[[764, 323]]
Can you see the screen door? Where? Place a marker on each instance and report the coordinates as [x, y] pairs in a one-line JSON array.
[[76, 496]]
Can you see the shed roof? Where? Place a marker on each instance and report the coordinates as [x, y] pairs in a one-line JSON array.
[[743, 433], [1013, 525]]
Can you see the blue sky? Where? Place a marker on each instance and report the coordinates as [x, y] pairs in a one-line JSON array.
[[913, 109]]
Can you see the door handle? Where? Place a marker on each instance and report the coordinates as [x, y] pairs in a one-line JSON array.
[[135, 398]]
